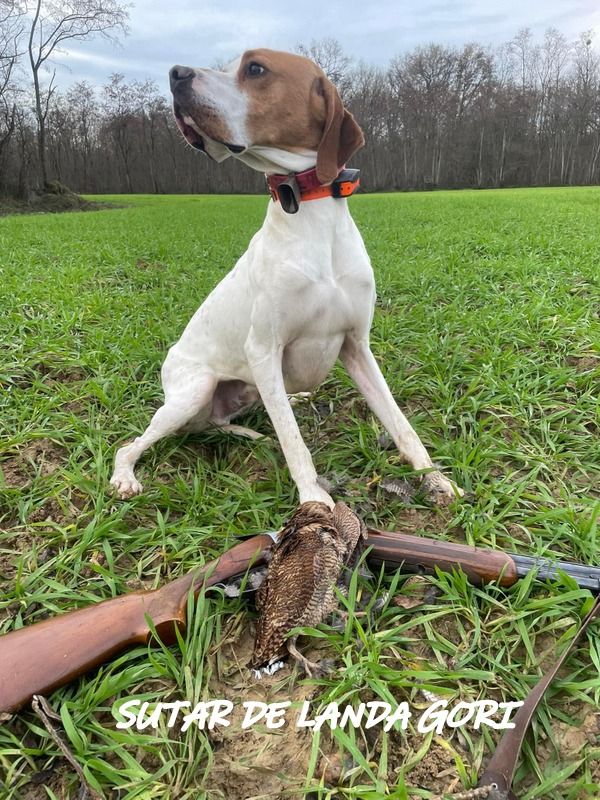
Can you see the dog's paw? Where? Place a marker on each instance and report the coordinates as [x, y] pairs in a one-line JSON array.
[[125, 485], [439, 490], [299, 397]]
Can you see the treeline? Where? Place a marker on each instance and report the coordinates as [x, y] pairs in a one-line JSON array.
[[526, 113]]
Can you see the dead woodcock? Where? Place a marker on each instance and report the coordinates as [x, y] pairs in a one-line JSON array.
[[307, 562]]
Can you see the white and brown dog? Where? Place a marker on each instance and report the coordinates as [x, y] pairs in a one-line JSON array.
[[303, 293]]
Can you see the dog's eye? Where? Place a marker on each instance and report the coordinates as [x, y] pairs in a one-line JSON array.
[[254, 69]]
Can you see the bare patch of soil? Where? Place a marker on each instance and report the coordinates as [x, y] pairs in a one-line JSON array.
[[584, 363], [149, 265], [417, 519], [568, 741], [39, 454], [11, 550], [51, 511], [258, 762], [74, 406], [435, 771], [51, 375], [14, 476]]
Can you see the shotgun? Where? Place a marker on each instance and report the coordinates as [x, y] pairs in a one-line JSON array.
[[43, 656]]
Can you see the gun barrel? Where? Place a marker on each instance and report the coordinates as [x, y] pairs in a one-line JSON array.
[[587, 577]]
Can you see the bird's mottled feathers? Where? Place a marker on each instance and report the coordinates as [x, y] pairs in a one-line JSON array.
[[304, 569], [352, 530]]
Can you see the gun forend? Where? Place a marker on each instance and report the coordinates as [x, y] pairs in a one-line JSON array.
[[419, 554]]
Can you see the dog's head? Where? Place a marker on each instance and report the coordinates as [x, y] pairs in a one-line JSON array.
[[265, 104]]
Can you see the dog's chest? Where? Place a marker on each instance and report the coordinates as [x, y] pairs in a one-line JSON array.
[[307, 361], [317, 321]]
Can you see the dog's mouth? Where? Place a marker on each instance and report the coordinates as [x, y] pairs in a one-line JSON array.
[[194, 137], [188, 129]]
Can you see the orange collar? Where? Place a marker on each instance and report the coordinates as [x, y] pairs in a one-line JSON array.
[[290, 190]]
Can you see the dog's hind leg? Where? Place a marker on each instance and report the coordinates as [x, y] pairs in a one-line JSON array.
[[240, 430], [181, 405]]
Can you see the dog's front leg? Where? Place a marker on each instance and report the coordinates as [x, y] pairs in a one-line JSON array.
[[360, 362], [266, 366]]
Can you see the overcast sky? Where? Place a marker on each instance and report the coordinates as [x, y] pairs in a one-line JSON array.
[[199, 33]]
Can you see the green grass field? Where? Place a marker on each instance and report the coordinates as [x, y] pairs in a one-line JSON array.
[[488, 331]]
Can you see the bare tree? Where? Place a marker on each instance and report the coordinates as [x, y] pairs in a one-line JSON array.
[[85, 116], [11, 14], [423, 84], [522, 49], [152, 108], [370, 102], [585, 104], [329, 54], [52, 24], [120, 106], [438, 116]]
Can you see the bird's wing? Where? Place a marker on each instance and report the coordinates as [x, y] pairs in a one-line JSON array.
[[327, 565], [291, 583], [262, 594], [350, 527]]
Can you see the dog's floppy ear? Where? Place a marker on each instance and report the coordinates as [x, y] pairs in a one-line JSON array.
[[341, 134]]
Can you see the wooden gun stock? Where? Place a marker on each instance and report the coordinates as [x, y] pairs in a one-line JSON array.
[[48, 654], [45, 655]]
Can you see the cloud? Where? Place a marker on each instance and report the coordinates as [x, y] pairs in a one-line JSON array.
[[202, 33]]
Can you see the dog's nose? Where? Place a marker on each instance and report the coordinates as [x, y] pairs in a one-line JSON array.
[[179, 75]]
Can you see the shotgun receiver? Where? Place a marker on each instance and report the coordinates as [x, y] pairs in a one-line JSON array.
[[41, 657]]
